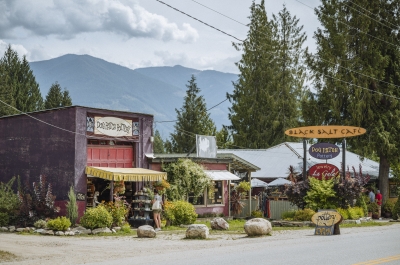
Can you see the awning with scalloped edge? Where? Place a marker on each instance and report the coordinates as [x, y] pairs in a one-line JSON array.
[[126, 174]]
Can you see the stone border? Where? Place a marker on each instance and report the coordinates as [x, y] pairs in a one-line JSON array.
[[79, 230]]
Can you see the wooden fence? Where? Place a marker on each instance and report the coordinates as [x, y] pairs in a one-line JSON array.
[[278, 207], [246, 210]]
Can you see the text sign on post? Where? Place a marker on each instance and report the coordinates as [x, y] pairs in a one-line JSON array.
[[323, 171], [325, 221], [324, 151], [327, 131]]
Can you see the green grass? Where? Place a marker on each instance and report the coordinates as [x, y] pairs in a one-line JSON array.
[[367, 224], [6, 256]]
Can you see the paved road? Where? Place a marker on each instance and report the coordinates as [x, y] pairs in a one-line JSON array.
[[355, 246]]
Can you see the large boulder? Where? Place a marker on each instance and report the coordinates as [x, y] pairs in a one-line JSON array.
[[219, 224], [257, 227], [4, 229], [146, 231], [197, 231]]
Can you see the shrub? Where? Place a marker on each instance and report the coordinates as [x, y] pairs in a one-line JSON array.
[[97, 217], [180, 212], [388, 207], [303, 215], [72, 207], [396, 208], [296, 192], [59, 224], [9, 202], [373, 208], [126, 228], [321, 194], [4, 219], [243, 186], [343, 212], [40, 224], [289, 215], [118, 210], [362, 203], [355, 213], [257, 214]]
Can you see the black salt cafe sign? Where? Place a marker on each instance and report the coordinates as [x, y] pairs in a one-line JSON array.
[[328, 131], [324, 151]]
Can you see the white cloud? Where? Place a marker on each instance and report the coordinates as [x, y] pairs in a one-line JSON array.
[[67, 18], [20, 49]]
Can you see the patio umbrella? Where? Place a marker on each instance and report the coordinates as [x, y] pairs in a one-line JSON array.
[[279, 182], [256, 183]]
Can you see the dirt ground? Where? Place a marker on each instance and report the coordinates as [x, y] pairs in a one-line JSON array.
[[37, 249]]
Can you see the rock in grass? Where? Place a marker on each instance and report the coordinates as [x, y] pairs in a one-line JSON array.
[[146, 231], [257, 227], [197, 231]]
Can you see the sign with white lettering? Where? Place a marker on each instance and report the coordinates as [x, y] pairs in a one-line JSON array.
[[324, 151], [328, 131], [323, 171], [112, 126]]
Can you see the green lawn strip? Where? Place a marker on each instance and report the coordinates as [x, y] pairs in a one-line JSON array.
[[6, 256]]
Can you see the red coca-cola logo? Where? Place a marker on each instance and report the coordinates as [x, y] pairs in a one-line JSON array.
[[326, 171]]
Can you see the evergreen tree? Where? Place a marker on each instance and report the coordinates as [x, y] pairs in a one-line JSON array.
[[265, 98], [18, 86], [192, 119], [356, 76], [56, 98], [224, 139], [158, 145]]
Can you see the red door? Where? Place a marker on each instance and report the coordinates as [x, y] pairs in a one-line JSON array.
[[110, 156]]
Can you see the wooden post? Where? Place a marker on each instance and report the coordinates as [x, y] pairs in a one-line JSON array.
[[112, 190], [250, 194], [304, 159], [344, 158], [229, 198]]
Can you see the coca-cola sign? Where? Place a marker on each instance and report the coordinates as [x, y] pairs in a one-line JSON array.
[[324, 151], [323, 171]]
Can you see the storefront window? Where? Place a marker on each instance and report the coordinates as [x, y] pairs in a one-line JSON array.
[[215, 194], [200, 199]]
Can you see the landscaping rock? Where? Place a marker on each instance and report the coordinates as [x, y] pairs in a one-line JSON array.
[[146, 231], [47, 232], [197, 231], [69, 233], [39, 230], [4, 229], [219, 224], [11, 228], [79, 230], [117, 228], [113, 231], [101, 230], [26, 229], [60, 233], [257, 227]]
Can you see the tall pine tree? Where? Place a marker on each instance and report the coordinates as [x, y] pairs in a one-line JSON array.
[[56, 98], [265, 98], [158, 144], [192, 119], [19, 84], [356, 76]]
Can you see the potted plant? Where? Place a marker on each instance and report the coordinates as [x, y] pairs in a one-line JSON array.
[[373, 210], [387, 209], [161, 185], [243, 186]]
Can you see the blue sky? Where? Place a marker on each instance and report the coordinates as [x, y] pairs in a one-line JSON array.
[[137, 33]]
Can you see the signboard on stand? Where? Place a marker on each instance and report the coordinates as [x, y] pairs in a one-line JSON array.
[[325, 221], [323, 171]]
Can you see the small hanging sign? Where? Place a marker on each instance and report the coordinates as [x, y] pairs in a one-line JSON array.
[[324, 151]]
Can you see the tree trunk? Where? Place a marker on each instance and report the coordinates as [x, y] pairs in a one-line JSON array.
[[384, 178]]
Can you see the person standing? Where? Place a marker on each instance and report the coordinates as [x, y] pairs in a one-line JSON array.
[[371, 195], [157, 208], [378, 199]]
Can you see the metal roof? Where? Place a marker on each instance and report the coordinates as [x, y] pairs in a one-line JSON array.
[[275, 161]]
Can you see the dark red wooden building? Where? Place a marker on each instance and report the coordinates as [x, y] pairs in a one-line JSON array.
[[60, 143]]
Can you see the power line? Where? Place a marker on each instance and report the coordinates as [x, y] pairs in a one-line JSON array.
[[206, 111], [200, 21]]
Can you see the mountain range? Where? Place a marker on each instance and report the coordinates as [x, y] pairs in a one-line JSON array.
[[94, 82]]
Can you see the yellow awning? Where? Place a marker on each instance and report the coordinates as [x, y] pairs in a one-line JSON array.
[[126, 174]]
